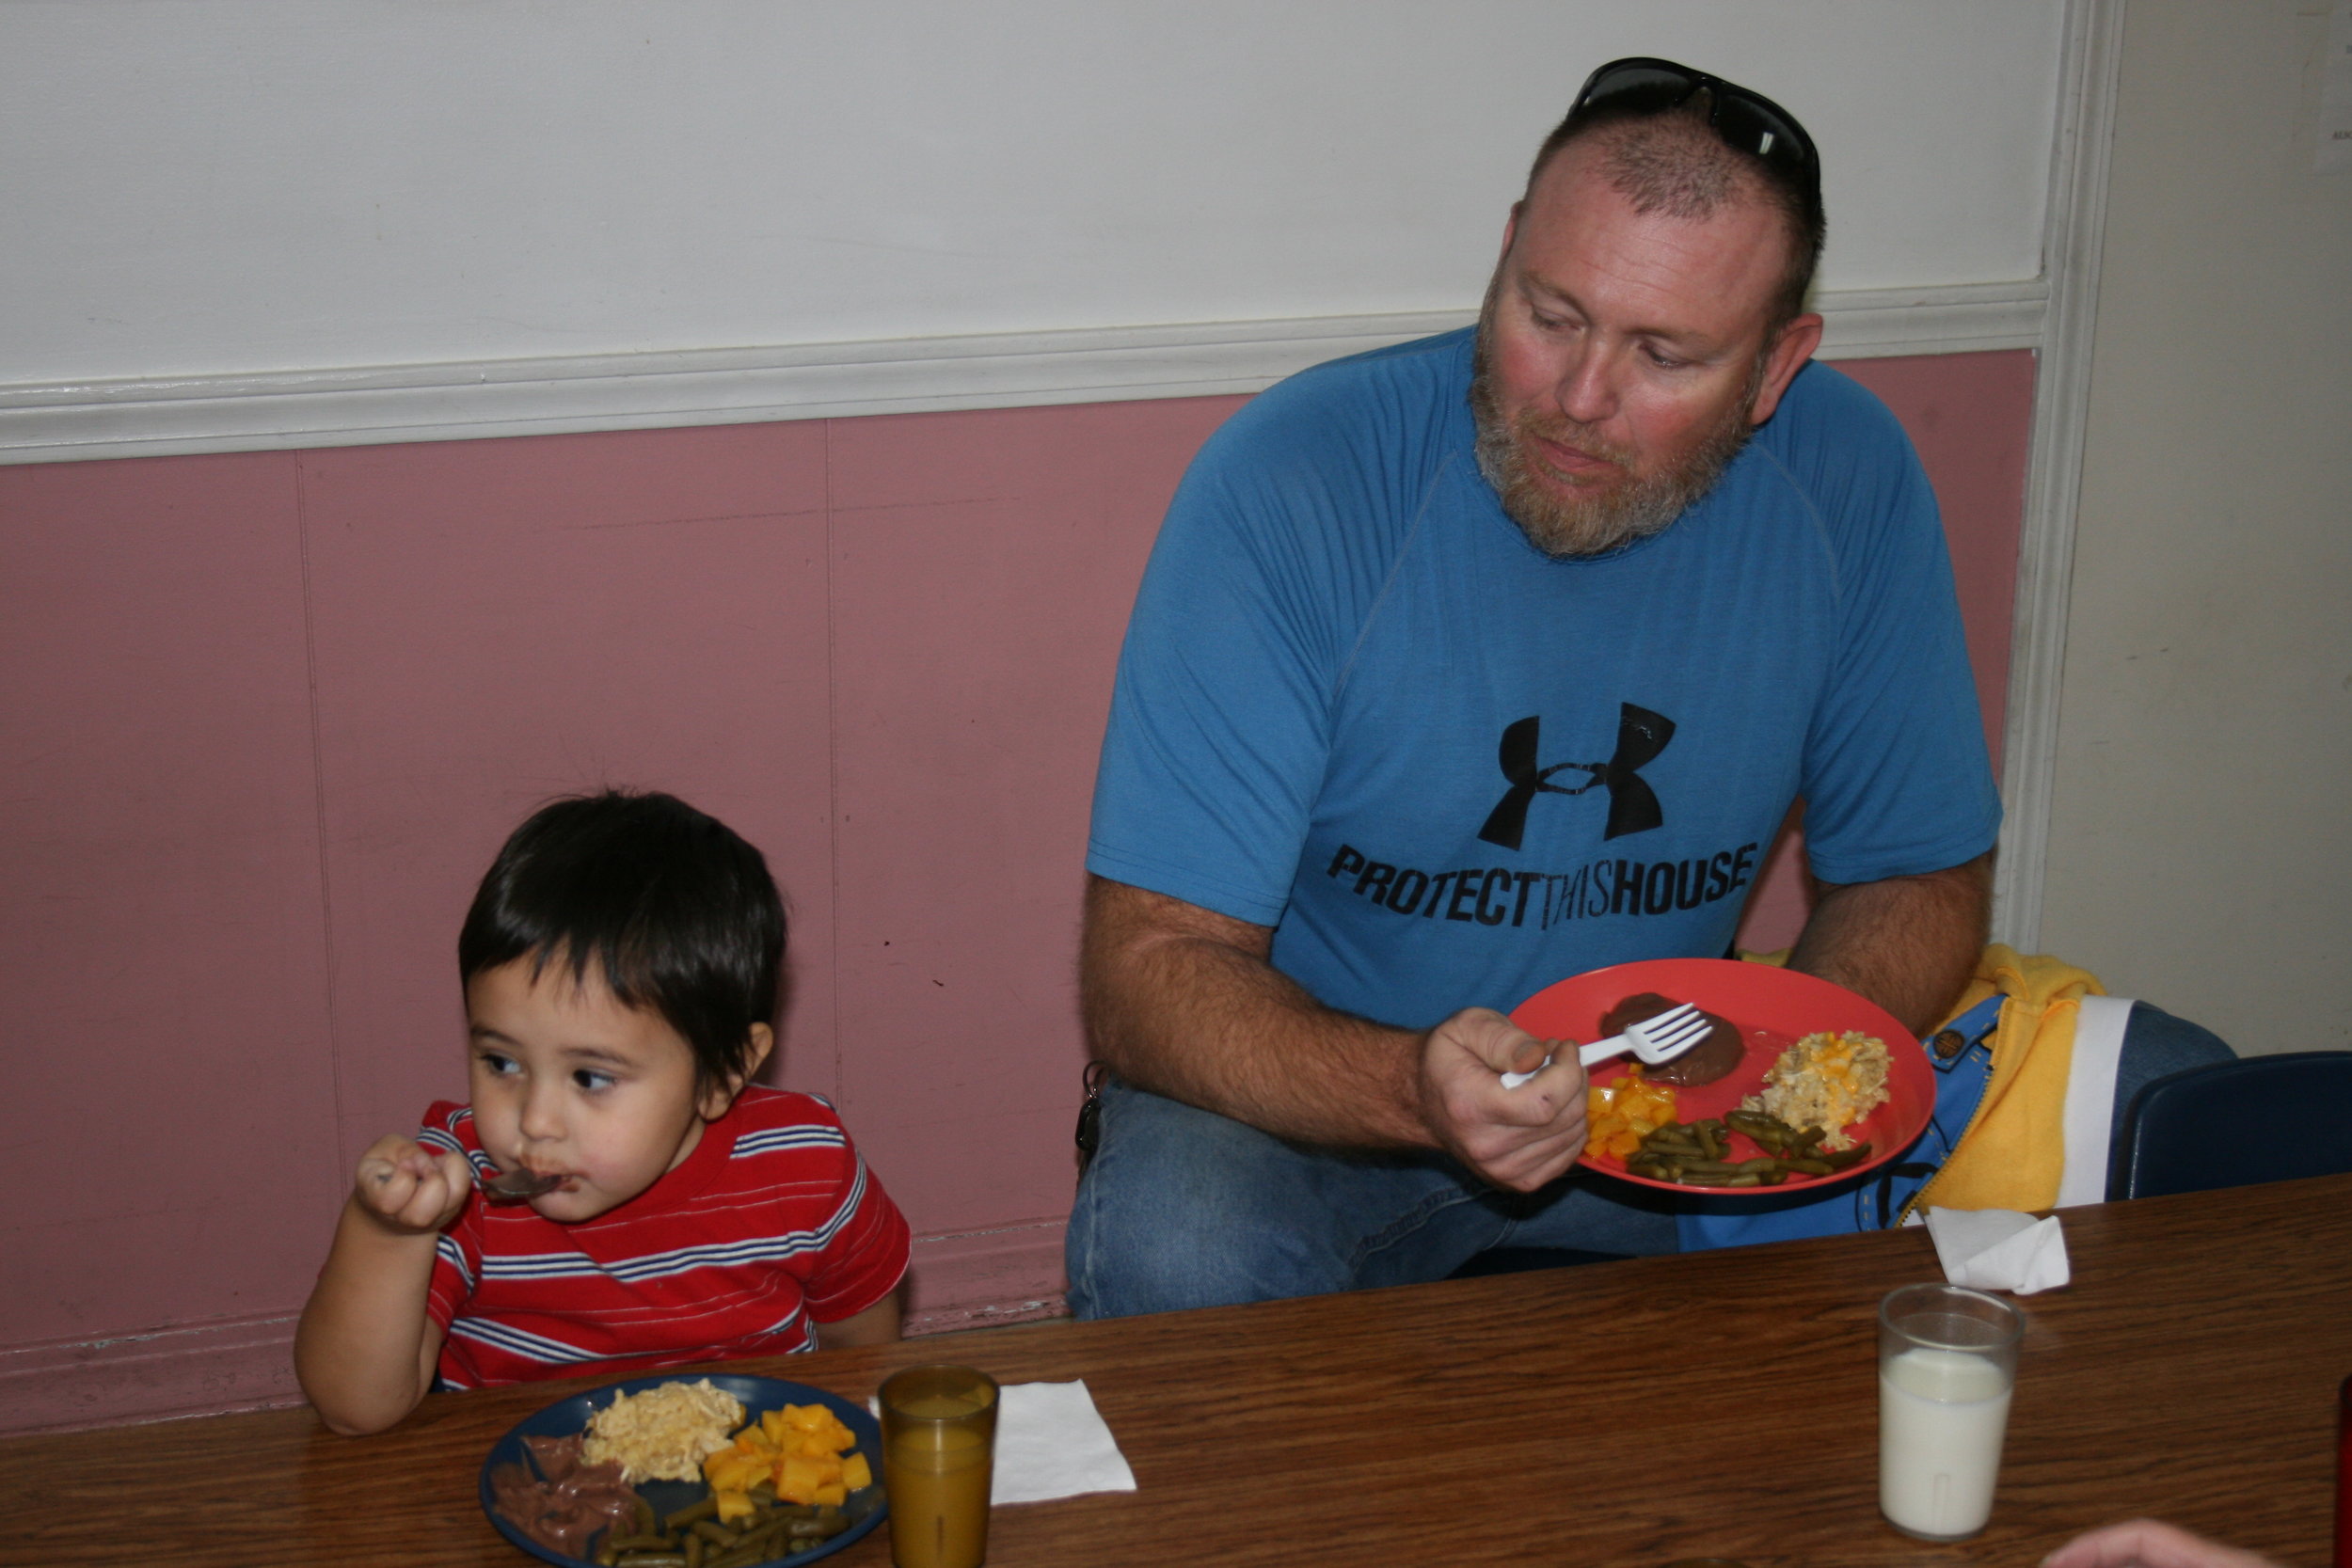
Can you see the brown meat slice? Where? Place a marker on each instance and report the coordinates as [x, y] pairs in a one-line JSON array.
[[1712, 1058]]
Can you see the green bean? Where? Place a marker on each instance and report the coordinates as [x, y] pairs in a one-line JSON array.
[[741, 1558], [1730, 1168], [1767, 1131], [1698, 1153], [694, 1551], [649, 1522], [757, 1540], [651, 1560], [701, 1508], [714, 1532], [643, 1542], [753, 1549]]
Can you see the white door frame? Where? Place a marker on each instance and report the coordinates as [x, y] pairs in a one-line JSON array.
[[2072, 236]]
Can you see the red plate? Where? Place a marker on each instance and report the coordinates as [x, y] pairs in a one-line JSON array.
[[1774, 1009]]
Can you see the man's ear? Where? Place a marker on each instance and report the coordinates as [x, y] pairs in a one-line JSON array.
[[1782, 361], [718, 1099], [1510, 231]]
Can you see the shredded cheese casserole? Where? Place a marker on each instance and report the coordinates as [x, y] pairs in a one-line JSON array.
[[1826, 1081], [663, 1433]]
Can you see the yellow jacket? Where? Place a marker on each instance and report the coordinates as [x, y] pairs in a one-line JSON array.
[[2014, 1150]]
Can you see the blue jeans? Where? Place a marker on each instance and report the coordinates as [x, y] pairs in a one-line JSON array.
[[1183, 1208]]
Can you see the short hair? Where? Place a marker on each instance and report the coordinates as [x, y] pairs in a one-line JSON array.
[[1665, 157], [673, 909]]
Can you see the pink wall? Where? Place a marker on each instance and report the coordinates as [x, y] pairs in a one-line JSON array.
[[1970, 416], [271, 714]]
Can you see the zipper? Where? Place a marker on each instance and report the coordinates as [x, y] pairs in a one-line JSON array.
[[1975, 1116]]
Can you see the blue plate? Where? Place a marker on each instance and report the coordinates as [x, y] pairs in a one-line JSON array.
[[864, 1509]]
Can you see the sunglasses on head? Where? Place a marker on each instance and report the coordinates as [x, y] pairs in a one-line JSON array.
[[1748, 121]]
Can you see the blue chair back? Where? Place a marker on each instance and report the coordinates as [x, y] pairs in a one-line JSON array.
[[2260, 1119]]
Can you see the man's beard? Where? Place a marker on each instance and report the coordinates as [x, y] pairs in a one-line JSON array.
[[1577, 524]]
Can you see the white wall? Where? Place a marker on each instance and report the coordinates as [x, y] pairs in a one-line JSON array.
[[199, 190], [2200, 834]]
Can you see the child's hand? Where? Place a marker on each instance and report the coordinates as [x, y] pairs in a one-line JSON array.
[[409, 1189]]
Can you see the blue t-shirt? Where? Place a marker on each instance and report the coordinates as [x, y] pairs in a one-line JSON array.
[[1357, 705]]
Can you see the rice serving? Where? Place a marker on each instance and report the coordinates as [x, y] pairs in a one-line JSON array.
[[1829, 1080], [663, 1433]]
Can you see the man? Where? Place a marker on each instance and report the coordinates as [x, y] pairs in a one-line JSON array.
[[1463, 667]]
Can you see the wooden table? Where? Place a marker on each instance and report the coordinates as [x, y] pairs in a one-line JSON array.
[[1721, 1405]]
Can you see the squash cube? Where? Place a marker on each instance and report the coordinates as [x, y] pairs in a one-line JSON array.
[[730, 1471], [798, 1479]]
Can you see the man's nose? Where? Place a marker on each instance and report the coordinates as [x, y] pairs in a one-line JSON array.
[[1588, 386]]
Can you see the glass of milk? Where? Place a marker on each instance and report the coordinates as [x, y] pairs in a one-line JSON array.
[[1948, 1358]]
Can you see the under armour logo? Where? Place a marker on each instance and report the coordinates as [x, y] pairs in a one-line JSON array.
[[1633, 806]]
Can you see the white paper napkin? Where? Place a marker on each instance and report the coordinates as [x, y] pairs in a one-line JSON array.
[[1999, 1249], [1051, 1442]]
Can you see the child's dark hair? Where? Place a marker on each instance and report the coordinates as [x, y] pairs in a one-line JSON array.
[[674, 909]]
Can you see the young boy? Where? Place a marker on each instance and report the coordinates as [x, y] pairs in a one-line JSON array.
[[621, 964]]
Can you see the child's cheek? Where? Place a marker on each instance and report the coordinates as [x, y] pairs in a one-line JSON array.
[[494, 1129]]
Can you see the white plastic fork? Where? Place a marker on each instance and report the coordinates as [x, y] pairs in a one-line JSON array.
[[1655, 1041]]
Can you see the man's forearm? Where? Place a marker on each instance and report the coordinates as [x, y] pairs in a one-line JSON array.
[[1183, 1003], [1908, 944]]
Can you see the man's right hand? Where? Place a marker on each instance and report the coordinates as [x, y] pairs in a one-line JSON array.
[[1521, 1137], [1186, 1003], [409, 1189]]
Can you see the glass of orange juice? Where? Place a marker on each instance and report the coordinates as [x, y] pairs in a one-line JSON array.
[[939, 1441]]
